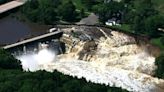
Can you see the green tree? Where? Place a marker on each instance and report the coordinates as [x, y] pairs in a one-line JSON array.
[[103, 12], [144, 8], [88, 3], [139, 14], [159, 62], [110, 10], [67, 11], [43, 11], [7, 61], [127, 1], [162, 40], [152, 24], [82, 13]]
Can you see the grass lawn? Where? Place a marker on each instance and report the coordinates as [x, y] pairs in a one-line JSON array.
[[124, 27]]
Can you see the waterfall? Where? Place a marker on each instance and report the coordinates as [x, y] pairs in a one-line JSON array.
[[116, 61]]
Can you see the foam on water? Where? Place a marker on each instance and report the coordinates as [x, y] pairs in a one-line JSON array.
[[91, 71], [34, 61], [117, 62]]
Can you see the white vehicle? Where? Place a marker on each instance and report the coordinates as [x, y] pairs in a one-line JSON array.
[[112, 23], [52, 30]]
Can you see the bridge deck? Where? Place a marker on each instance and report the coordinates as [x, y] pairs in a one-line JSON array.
[[32, 39], [10, 5]]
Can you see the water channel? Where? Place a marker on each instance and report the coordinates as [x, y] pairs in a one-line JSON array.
[[13, 30]]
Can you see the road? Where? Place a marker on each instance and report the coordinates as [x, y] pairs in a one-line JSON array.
[[32, 39], [10, 5]]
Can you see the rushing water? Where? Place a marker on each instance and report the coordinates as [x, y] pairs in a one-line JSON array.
[[92, 71], [34, 61], [116, 63]]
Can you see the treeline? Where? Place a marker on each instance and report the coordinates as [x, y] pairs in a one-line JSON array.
[[42, 81], [13, 79], [140, 15], [51, 11], [159, 62], [7, 61]]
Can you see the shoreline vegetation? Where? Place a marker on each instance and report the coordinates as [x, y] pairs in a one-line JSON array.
[[40, 11], [136, 16], [14, 79]]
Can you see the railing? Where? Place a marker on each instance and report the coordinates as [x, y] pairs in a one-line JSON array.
[[10, 5], [32, 39]]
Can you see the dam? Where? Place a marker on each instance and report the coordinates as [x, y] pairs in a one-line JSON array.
[[11, 5], [101, 56]]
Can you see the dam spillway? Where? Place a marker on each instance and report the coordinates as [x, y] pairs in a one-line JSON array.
[[101, 56]]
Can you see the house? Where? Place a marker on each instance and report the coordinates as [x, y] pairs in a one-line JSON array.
[[107, 1], [113, 22]]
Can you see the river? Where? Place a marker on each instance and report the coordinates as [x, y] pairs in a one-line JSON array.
[[13, 30]]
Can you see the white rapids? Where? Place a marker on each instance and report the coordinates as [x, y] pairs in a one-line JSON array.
[[115, 64]]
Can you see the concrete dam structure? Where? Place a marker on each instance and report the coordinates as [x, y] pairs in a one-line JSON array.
[[99, 55]]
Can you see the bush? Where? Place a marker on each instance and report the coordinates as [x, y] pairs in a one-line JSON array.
[[7, 61], [159, 62], [162, 40], [42, 81]]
